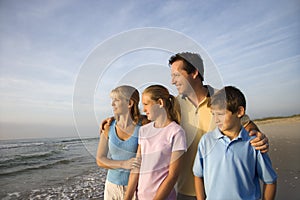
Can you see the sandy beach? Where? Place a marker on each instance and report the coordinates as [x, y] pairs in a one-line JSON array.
[[74, 174], [284, 136]]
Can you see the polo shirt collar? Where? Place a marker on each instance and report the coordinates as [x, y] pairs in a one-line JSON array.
[[211, 91], [242, 135], [217, 134]]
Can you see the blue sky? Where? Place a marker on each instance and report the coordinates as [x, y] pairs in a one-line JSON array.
[[255, 45]]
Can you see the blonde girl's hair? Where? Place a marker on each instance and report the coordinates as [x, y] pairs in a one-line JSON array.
[[171, 104], [129, 93]]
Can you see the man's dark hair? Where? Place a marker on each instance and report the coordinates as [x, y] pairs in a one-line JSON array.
[[192, 62]]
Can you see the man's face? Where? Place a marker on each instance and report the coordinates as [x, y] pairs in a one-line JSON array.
[[180, 78]]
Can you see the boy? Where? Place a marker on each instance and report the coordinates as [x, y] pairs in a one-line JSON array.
[[226, 165]]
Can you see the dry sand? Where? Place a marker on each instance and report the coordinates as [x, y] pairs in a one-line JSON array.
[[284, 139]]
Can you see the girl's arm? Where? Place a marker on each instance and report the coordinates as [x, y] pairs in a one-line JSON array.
[[269, 191], [133, 177], [103, 161], [174, 169], [199, 187]]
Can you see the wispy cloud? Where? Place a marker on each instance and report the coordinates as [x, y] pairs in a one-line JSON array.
[[43, 45]]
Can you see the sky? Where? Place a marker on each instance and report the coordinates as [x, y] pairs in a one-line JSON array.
[[60, 59]]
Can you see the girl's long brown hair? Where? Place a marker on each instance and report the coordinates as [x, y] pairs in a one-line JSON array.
[[171, 104]]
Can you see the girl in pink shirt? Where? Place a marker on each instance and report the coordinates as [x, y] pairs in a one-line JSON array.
[[161, 144]]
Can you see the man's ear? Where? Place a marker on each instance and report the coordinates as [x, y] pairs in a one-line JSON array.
[[241, 111], [195, 74]]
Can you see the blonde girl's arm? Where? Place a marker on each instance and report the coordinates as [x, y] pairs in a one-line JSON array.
[[102, 151], [174, 169], [133, 177]]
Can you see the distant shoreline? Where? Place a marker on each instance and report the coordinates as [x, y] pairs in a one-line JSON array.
[[292, 118], [262, 121]]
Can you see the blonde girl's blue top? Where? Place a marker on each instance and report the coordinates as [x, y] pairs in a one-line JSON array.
[[121, 150]]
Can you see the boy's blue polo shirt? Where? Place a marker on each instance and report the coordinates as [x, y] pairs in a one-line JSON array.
[[231, 169]]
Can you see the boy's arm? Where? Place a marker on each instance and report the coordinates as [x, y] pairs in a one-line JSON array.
[[199, 187], [198, 172], [269, 191], [267, 174], [169, 182]]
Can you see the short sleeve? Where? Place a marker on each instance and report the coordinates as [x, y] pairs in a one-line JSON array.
[[140, 134], [264, 168], [179, 141], [198, 163]]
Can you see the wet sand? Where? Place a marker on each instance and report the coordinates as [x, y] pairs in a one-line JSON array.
[[284, 139]]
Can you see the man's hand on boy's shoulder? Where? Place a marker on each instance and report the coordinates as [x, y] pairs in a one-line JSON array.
[[261, 142]]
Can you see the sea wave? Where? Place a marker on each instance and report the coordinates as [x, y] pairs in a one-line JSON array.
[[18, 159], [18, 145], [25, 168], [77, 140]]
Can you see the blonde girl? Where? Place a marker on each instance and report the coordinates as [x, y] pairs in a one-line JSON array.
[[120, 141]]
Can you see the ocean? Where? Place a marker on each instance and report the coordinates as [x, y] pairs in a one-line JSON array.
[[61, 168]]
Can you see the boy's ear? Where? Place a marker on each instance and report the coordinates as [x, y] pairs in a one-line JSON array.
[[241, 111]]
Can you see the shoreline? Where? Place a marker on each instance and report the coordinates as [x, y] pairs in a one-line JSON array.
[[267, 120]]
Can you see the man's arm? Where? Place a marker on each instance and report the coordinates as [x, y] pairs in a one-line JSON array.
[[199, 187], [269, 191], [106, 121], [109, 120], [261, 142]]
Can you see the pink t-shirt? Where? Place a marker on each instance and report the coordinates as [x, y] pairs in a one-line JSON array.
[[157, 145]]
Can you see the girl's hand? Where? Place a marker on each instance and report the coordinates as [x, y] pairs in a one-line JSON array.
[[133, 163]]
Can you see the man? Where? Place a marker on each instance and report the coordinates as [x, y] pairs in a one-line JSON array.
[[187, 72]]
